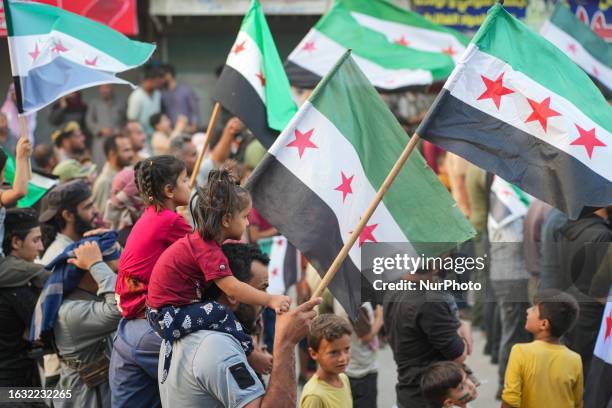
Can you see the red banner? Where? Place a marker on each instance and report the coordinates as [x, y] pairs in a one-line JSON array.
[[120, 15]]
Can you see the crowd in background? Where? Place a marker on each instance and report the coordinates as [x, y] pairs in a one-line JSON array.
[[106, 152]]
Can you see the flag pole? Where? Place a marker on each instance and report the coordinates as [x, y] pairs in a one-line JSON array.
[[23, 133], [331, 272], [211, 125]]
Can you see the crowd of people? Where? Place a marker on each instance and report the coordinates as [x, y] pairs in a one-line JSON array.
[[131, 289]]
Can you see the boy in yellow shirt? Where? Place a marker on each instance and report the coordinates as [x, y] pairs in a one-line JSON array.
[[545, 373], [329, 344]]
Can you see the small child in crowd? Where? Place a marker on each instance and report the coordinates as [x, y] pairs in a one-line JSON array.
[[329, 344], [176, 296], [448, 384], [545, 373], [163, 184]]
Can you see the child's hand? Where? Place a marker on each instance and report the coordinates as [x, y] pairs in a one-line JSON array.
[[23, 150], [279, 303]]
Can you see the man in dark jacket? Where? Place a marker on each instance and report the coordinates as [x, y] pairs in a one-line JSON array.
[[583, 245]]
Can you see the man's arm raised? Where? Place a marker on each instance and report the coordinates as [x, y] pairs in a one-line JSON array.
[[291, 327]]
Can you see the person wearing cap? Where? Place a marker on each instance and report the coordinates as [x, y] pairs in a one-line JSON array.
[[71, 169], [67, 213], [20, 282], [119, 154], [69, 141]]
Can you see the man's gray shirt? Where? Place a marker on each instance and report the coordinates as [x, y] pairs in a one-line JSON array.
[[208, 369]]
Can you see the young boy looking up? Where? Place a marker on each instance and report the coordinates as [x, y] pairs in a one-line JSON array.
[[329, 344], [447, 383], [545, 373]]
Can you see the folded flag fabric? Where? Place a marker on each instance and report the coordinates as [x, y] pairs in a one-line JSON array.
[[518, 107], [395, 48], [63, 280], [284, 263], [506, 203], [597, 391], [591, 52], [253, 84], [38, 185], [55, 52], [320, 175]]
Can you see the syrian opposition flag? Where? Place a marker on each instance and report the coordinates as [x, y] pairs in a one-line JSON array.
[[284, 263], [598, 392], [506, 203], [318, 178], [253, 84], [38, 185], [55, 52], [519, 108], [396, 49], [591, 52]]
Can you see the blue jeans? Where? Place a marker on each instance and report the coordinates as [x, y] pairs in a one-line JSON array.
[[133, 365]]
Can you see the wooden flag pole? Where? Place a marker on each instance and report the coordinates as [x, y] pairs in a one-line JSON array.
[[331, 272], [23, 133], [209, 131]]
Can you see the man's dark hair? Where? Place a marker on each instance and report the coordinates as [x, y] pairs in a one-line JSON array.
[[154, 119], [152, 72], [169, 68], [42, 155], [439, 378], [240, 257], [329, 327], [559, 308], [110, 144], [18, 224]]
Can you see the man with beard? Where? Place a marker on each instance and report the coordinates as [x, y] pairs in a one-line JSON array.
[[210, 368], [69, 141], [67, 213], [119, 154], [133, 130]]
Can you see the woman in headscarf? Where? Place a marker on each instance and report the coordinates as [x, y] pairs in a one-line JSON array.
[[9, 108], [125, 205]]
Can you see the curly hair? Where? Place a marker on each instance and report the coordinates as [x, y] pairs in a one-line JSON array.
[[221, 196]]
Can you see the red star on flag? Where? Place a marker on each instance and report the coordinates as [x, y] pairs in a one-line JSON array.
[[495, 89], [239, 48], [309, 46], [302, 141], [279, 242], [262, 78], [608, 326], [449, 50], [402, 41], [34, 54], [92, 62], [345, 187], [571, 47], [367, 234], [541, 112], [274, 272], [588, 139], [595, 71], [58, 47]]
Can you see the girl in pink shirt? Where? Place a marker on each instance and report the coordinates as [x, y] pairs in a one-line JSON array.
[[163, 184]]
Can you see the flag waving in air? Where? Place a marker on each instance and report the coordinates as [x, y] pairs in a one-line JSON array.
[[318, 178], [396, 49], [253, 84], [516, 106], [55, 52], [591, 52]]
